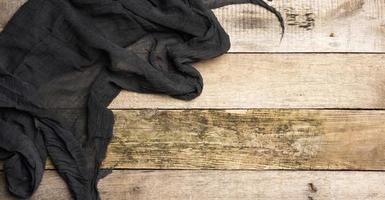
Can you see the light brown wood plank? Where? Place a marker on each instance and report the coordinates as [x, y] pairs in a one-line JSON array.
[[280, 81], [312, 25], [248, 139], [224, 185]]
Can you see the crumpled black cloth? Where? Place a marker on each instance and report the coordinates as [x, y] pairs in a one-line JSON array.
[[63, 61]]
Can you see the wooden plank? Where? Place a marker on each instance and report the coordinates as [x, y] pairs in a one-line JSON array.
[[248, 139], [312, 26], [280, 81], [224, 185]]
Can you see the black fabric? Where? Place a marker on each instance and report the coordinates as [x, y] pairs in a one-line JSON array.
[[63, 61]]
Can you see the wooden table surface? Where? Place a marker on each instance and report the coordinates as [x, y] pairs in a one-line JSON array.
[[299, 119]]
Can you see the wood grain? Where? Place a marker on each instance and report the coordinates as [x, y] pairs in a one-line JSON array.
[[248, 139], [224, 185], [280, 81], [234, 136], [312, 26]]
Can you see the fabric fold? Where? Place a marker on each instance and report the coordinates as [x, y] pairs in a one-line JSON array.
[[62, 62]]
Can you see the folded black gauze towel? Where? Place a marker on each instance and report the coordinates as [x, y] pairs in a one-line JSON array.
[[63, 61]]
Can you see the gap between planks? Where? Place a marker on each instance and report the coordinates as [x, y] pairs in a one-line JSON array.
[[225, 185]]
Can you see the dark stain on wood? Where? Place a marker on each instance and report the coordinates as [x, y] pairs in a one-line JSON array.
[[249, 21], [205, 137], [312, 188], [303, 19]]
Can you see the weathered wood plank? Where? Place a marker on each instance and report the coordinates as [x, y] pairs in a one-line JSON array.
[[312, 26], [248, 139], [280, 81], [224, 185]]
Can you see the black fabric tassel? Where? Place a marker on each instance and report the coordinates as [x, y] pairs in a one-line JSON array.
[[63, 61]]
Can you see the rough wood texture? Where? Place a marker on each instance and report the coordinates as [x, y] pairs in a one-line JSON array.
[[312, 26], [224, 185], [280, 81], [260, 139], [248, 139]]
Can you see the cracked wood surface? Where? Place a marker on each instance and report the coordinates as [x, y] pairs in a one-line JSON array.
[[312, 26]]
